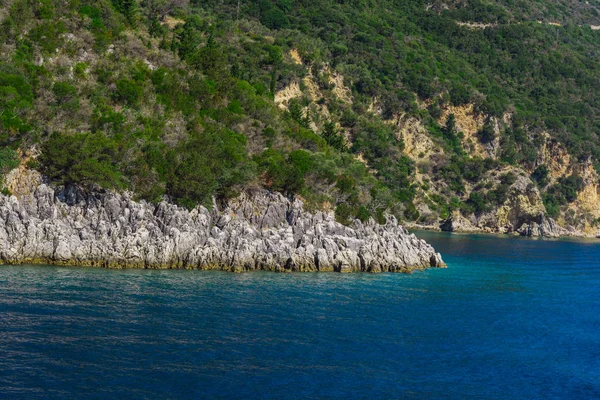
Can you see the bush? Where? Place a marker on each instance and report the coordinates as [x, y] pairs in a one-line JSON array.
[[343, 214], [552, 205], [9, 159], [333, 137], [274, 18], [66, 95], [16, 95], [128, 91], [211, 163], [541, 175], [487, 134], [85, 159], [281, 172]]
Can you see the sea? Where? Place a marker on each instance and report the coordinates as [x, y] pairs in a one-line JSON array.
[[510, 318]]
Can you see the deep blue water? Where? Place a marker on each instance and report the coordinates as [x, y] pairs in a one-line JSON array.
[[510, 318]]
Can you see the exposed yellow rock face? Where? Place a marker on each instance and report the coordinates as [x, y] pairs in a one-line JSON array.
[[519, 204], [469, 123], [295, 56], [318, 112], [374, 106], [340, 90], [22, 181], [292, 91], [417, 143], [311, 86], [172, 22], [530, 205], [556, 157], [588, 200], [502, 218]]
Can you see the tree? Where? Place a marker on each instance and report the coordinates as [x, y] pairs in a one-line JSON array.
[[451, 134], [487, 133], [128, 91], [274, 18], [66, 95], [85, 159], [541, 175], [159, 9], [129, 9], [275, 58], [213, 162], [332, 136]]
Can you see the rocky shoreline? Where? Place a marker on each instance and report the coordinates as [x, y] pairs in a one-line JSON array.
[[442, 227], [522, 214], [257, 231]]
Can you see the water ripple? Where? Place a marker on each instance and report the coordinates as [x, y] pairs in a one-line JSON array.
[[509, 319]]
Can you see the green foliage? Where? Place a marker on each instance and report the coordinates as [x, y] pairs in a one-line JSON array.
[[333, 137], [297, 114], [275, 18], [541, 175], [128, 8], [128, 91], [451, 135], [552, 205], [185, 109], [80, 69], [562, 193], [212, 162], [66, 95], [487, 134], [85, 159], [284, 173], [16, 95], [9, 159]]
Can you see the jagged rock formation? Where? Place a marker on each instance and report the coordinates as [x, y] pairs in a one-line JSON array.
[[522, 213], [259, 231]]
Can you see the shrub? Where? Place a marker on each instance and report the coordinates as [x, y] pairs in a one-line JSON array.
[[487, 134], [211, 163], [274, 18], [343, 213], [66, 95], [9, 159], [16, 95], [541, 175], [128, 91], [85, 159]]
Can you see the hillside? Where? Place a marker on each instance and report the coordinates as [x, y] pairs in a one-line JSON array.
[[580, 12], [482, 114]]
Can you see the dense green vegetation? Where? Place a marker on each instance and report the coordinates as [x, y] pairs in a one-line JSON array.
[[175, 98]]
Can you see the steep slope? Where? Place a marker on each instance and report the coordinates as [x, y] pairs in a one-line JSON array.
[[426, 110]]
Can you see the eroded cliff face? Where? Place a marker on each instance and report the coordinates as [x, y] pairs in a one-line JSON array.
[[257, 231], [522, 213]]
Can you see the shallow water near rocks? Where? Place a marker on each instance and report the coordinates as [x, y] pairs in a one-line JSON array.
[[510, 318]]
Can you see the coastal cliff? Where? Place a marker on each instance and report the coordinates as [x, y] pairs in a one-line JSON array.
[[256, 231], [522, 213]]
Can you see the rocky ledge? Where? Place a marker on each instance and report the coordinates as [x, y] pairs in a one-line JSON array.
[[257, 231]]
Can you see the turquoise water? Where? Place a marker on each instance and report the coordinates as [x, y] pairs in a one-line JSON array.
[[511, 318]]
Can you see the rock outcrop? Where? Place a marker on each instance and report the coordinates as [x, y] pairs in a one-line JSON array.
[[522, 213], [258, 231]]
